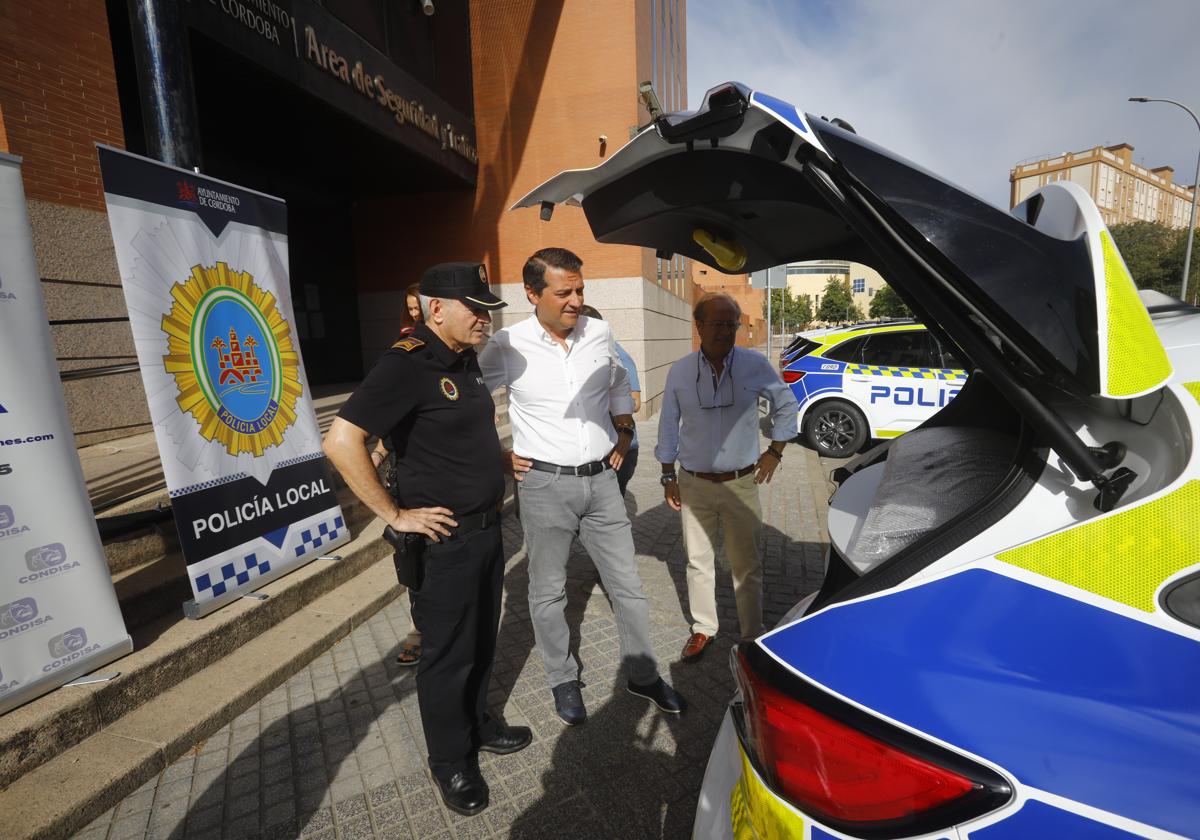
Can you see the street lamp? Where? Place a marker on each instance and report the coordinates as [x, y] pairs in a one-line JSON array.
[[1187, 254]]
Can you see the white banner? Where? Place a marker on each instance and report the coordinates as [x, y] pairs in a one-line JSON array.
[[59, 617], [204, 265]]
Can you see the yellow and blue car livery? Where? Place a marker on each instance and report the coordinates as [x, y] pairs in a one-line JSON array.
[[1006, 642], [889, 404]]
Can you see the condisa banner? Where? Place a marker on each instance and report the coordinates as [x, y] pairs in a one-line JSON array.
[[59, 617], [204, 266]]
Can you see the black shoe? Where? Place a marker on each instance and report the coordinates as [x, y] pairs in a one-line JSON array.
[[508, 739], [464, 792], [568, 702], [665, 697]]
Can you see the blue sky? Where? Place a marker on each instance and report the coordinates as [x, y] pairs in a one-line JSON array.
[[968, 88]]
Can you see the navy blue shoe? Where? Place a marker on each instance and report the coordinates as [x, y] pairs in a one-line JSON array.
[[661, 694], [568, 703]]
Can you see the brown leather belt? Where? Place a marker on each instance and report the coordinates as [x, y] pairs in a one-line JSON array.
[[719, 477]]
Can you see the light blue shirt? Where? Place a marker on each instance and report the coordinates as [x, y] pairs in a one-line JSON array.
[[634, 385], [709, 423]]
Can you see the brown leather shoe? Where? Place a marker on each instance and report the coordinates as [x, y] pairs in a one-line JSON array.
[[693, 649]]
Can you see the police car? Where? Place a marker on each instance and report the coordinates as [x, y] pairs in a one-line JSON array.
[[868, 381], [1007, 640]]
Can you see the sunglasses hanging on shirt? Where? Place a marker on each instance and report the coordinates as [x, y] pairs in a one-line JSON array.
[[719, 394]]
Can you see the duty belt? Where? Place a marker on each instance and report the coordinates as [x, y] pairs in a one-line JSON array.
[[468, 525], [725, 476], [590, 468]]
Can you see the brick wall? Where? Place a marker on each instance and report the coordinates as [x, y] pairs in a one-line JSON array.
[[58, 90]]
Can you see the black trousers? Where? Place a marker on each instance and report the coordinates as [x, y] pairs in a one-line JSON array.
[[458, 611]]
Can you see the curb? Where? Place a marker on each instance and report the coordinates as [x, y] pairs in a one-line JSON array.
[[94, 775]]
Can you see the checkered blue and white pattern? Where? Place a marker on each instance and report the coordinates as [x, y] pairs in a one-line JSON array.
[[205, 485], [250, 565], [215, 582], [314, 537]]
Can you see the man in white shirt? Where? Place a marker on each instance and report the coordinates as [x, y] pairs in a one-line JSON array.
[[709, 423], [564, 380]]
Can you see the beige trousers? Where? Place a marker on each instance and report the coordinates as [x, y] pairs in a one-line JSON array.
[[734, 506]]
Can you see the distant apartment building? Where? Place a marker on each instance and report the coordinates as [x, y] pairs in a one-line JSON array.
[[810, 278], [1123, 190]]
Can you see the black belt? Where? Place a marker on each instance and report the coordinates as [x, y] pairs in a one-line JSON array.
[[720, 477], [590, 468], [468, 525]]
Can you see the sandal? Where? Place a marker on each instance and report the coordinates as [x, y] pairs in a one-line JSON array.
[[409, 655]]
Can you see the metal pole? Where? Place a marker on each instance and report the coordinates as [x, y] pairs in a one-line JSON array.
[[770, 295], [165, 82], [1187, 253]]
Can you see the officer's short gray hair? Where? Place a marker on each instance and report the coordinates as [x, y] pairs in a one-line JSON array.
[[425, 301], [705, 300]]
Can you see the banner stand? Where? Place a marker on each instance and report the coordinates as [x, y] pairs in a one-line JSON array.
[[204, 268], [59, 616]]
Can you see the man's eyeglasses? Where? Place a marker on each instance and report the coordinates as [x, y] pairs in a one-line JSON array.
[[717, 397], [723, 325]]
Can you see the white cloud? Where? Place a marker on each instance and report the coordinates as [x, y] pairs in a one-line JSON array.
[[968, 88]]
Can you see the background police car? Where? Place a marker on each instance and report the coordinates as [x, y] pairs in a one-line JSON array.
[[868, 381]]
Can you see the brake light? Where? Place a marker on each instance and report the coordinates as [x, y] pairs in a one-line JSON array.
[[834, 771], [790, 376]]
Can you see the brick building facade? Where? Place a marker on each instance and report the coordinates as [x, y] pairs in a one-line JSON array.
[[545, 85]]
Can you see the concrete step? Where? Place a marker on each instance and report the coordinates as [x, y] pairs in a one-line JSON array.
[[64, 794], [171, 650]]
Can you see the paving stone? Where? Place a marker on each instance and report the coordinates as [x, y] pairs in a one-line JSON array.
[[315, 822], [346, 729], [356, 828], [130, 827]]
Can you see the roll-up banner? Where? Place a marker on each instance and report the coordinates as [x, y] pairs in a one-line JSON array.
[[59, 617], [204, 265]]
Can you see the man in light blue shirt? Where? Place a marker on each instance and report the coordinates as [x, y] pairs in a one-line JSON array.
[[709, 423]]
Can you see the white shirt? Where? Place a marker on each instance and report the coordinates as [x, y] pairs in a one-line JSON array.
[[559, 401], [710, 423]]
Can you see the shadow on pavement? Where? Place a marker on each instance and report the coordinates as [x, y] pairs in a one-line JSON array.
[[620, 774]]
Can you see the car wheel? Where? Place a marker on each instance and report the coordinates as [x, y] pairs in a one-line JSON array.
[[835, 429]]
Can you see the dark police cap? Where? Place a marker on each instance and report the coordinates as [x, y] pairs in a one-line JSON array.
[[465, 281]]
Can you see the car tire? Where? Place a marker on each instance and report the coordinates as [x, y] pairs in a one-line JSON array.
[[836, 429]]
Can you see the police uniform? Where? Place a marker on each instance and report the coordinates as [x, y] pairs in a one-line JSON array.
[[432, 405]]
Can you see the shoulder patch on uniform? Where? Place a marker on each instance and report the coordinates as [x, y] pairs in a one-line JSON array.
[[408, 344]]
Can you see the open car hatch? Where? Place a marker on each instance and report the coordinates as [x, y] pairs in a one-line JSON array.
[[1039, 298]]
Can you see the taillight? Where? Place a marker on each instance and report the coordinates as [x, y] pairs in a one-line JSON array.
[[790, 376], [842, 775]]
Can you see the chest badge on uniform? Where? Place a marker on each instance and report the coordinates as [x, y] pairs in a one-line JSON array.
[[449, 389]]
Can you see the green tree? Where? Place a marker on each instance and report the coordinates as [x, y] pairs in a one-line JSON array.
[[1153, 254], [837, 303], [793, 310], [888, 304]]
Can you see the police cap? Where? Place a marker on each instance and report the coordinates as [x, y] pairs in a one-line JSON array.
[[465, 281]]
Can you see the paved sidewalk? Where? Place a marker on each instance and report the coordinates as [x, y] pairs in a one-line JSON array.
[[338, 752]]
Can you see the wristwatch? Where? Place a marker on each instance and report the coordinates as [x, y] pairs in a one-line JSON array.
[[667, 478]]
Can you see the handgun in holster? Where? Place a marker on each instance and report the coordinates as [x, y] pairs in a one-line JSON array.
[[408, 555], [408, 552]]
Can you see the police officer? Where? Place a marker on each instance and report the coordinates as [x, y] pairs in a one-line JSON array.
[[427, 395]]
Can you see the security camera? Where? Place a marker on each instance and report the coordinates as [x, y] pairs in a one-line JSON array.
[[650, 99]]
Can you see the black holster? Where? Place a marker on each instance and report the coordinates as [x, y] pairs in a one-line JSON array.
[[408, 555]]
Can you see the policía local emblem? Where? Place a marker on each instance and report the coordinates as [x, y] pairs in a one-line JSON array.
[[449, 389], [233, 360]]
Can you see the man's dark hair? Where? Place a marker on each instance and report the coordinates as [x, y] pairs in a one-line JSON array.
[[534, 273]]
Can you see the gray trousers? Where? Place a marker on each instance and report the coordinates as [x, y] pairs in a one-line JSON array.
[[554, 510]]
